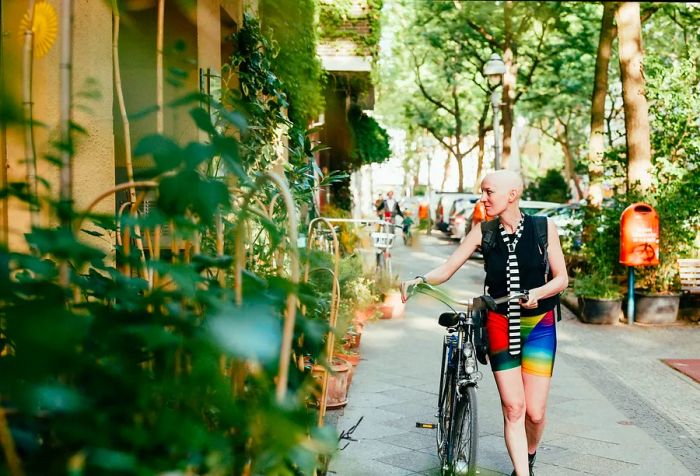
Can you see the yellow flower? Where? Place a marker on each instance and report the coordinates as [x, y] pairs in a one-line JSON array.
[[44, 27]]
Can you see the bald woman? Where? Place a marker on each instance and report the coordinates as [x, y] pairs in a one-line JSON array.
[[522, 336]]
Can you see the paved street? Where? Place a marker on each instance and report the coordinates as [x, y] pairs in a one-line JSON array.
[[614, 407]]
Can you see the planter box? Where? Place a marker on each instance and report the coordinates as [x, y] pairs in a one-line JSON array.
[[599, 311], [656, 308]]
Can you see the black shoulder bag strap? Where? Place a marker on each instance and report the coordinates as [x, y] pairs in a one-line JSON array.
[[488, 238], [542, 242], [481, 338]]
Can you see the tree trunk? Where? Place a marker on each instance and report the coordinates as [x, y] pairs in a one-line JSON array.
[[460, 173], [596, 141], [629, 34], [481, 142], [569, 162], [509, 79], [446, 172]]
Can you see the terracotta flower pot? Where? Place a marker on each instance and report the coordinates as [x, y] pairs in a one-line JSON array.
[[352, 340], [393, 307], [337, 393], [352, 360], [365, 314]]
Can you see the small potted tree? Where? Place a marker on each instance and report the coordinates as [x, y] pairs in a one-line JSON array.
[[599, 298]]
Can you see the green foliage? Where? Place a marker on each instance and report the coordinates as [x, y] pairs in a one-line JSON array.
[[347, 237], [370, 140], [291, 24], [597, 286], [675, 192], [112, 376], [337, 22], [261, 95], [551, 187], [601, 239]]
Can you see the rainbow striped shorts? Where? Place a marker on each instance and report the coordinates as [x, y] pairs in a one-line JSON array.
[[539, 343]]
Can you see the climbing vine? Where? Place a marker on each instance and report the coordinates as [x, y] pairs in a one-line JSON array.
[[292, 27], [337, 21], [370, 140]]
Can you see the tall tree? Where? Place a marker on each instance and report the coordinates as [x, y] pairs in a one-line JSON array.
[[519, 32], [596, 142], [431, 82], [629, 33], [557, 101]]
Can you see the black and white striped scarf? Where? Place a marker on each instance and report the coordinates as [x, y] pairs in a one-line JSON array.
[[513, 287]]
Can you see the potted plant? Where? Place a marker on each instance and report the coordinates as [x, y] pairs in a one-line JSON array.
[[352, 358], [390, 304], [658, 291], [599, 298], [338, 383], [674, 190]]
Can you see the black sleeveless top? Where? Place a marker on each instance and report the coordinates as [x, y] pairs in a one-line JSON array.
[[530, 263]]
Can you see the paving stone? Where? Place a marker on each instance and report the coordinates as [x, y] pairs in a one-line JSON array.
[[412, 440], [369, 467], [591, 464], [614, 408], [412, 460]]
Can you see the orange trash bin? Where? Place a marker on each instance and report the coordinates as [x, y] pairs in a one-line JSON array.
[[639, 235]]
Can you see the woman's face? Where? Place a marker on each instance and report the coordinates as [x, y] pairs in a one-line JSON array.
[[494, 196]]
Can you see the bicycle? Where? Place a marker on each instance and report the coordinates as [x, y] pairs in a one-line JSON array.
[[382, 242], [457, 421]]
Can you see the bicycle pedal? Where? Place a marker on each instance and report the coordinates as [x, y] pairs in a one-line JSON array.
[[426, 426]]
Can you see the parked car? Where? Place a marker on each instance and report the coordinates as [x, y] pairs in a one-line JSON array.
[[460, 210], [444, 208], [568, 219]]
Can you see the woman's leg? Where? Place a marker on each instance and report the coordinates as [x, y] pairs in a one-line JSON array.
[[536, 393], [512, 393], [538, 363]]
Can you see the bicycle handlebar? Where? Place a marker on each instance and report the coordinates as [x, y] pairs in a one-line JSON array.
[[478, 303]]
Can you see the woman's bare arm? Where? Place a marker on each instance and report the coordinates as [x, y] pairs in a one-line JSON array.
[[445, 271], [560, 278]]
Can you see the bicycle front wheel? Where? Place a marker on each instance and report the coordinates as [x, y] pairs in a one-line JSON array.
[[465, 432]]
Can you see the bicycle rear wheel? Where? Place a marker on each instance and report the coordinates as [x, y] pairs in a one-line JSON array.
[[465, 432]]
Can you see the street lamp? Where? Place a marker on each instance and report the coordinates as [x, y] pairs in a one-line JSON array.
[[494, 69], [426, 144]]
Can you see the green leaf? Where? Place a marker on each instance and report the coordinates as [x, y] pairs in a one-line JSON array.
[[252, 331], [203, 120], [166, 153]]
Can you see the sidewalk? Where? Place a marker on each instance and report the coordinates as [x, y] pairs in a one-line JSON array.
[[605, 406]]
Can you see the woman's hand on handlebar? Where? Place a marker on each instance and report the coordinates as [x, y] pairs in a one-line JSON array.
[[405, 287], [532, 301]]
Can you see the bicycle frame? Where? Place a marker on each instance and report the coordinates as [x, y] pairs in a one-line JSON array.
[[459, 374]]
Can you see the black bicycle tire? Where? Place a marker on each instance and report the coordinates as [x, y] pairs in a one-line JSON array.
[[466, 416], [443, 429]]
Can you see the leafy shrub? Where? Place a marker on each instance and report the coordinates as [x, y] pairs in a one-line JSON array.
[[551, 187], [597, 286]]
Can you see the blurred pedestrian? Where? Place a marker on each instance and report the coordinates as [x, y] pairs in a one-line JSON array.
[[390, 209]]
